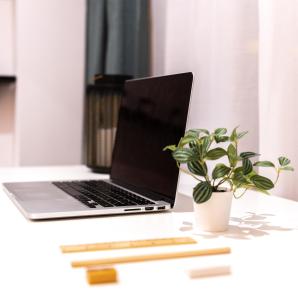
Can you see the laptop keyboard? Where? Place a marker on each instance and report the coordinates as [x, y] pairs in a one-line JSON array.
[[96, 192]]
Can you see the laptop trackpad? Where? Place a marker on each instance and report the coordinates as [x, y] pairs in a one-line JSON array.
[[43, 197]]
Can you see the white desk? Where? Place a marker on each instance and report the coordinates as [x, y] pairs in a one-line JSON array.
[[263, 236]]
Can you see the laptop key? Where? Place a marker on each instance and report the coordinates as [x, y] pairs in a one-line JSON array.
[[102, 202], [93, 193]]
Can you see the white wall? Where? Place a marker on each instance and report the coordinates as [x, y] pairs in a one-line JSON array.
[[50, 81], [279, 89], [158, 36], [217, 41], [195, 36]]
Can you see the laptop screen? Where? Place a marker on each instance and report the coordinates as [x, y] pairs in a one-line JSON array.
[[152, 115]]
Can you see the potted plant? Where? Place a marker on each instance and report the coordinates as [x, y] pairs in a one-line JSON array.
[[236, 172]]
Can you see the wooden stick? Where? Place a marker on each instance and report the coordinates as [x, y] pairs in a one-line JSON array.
[[148, 257], [128, 244]]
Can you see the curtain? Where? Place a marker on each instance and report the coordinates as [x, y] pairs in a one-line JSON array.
[[278, 82], [117, 37], [244, 56]]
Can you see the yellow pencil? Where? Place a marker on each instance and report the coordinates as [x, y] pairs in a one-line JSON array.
[[149, 257]]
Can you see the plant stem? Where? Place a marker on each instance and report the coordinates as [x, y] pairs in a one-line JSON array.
[[206, 176], [237, 197], [189, 173], [278, 172], [224, 179], [221, 182], [230, 183], [236, 147], [207, 179]]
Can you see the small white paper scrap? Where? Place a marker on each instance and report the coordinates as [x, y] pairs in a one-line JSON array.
[[209, 271]]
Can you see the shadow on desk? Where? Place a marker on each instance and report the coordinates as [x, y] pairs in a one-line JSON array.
[[251, 225]]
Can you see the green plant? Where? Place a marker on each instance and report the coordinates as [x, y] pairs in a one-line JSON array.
[[194, 150]]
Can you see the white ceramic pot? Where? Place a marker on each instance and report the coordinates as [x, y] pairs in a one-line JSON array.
[[214, 214]]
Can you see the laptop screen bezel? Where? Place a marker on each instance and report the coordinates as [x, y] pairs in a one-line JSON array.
[[140, 190]]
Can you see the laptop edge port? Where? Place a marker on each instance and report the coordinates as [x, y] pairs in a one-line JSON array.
[[161, 207], [149, 208], [131, 209]]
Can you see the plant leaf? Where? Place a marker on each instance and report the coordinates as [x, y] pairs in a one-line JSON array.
[[192, 132], [170, 147], [283, 161], [287, 168], [241, 134], [220, 139], [251, 174], [202, 192], [233, 136], [238, 178], [238, 170], [264, 163], [248, 154], [215, 153], [220, 131], [247, 166], [196, 168], [205, 143], [220, 171], [196, 132], [186, 140], [262, 182], [204, 131], [232, 155], [183, 155], [193, 144]]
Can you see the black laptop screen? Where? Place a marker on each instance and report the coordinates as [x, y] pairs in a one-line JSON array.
[[153, 114]]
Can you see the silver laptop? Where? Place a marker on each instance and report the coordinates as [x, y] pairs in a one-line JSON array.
[[153, 114]]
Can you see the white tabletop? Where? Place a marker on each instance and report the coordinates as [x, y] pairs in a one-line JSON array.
[[263, 236]]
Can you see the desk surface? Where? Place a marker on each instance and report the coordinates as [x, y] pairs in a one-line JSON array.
[[263, 236]]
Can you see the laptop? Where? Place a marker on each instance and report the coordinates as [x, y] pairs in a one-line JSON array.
[[143, 179]]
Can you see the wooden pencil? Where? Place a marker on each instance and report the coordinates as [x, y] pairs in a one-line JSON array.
[[149, 257]]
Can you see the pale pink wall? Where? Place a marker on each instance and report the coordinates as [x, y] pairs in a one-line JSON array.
[[50, 85], [158, 36], [7, 37]]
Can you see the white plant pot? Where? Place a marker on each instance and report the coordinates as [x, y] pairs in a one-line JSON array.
[[214, 214]]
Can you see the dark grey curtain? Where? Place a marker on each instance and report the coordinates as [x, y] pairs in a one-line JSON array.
[[118, 37]]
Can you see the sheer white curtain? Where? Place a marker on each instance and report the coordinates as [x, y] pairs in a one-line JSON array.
[[278, 86], [244, 57]]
